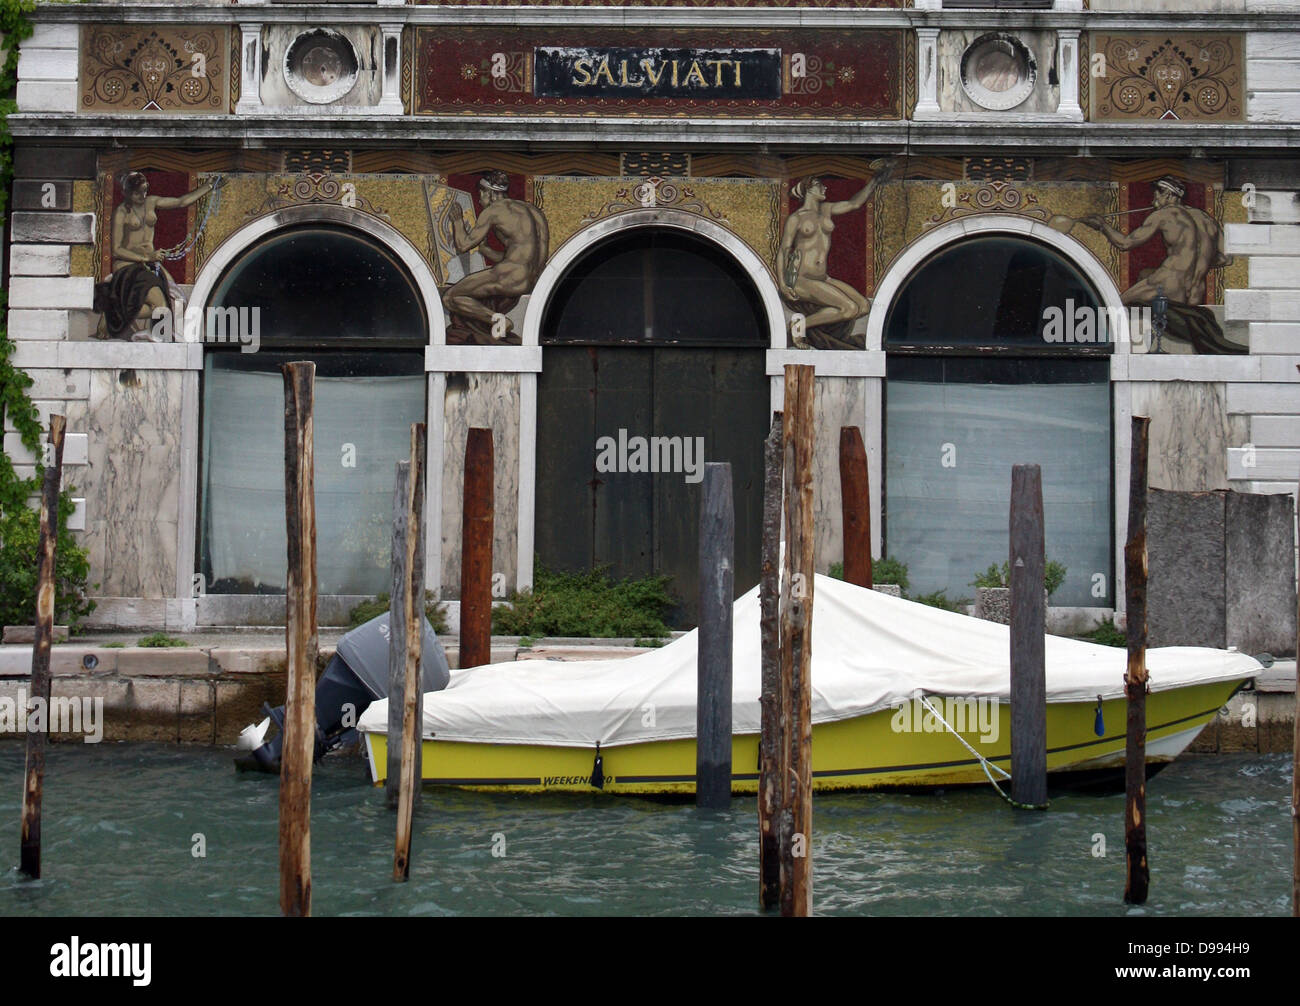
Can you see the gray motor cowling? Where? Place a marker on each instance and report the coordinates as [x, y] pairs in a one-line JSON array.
[[356, 675]]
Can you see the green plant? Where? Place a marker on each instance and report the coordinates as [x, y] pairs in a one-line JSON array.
[[888, 570], [113, 646], [435, 611], [1106, 634], [651, 643], [160, 639], [1000, 576], [940, 599], [20, 533], [883, 570], [586, 604], [526, 642]]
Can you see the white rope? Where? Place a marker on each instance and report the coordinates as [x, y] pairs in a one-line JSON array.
[[984, 762]]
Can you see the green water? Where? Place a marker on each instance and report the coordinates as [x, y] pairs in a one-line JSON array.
[[120, 822]]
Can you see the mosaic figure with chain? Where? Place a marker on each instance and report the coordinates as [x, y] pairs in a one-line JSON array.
[[139, 285]]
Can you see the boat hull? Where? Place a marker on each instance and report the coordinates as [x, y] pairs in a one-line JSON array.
[[888, 748]]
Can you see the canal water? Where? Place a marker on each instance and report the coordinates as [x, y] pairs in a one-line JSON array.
[[123, 824]]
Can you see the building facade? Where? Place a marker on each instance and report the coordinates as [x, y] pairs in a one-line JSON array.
[[997, 230]]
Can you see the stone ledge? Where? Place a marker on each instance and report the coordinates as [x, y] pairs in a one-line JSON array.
[[1064, 138]]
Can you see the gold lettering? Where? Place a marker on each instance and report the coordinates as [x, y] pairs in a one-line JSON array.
[[580, 68], [674, 73], [622, 72], [603, 70], [717, 65], [695, 71], [737, 62], [648, 67]]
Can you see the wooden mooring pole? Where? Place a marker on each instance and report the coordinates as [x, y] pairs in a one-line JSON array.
[[300, 640], [1137, 876], [34, 779], [855, 506], [412, 602], [1028, 625], [796, 635], [770, 786], [476, 552], [397, 607], [713, 656]]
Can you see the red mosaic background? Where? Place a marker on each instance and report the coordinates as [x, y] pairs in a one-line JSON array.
[[1151, 254], [173, 225], [861, 74], [847, 260]]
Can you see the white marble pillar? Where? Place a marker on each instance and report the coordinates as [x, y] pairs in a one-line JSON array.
[[927, 73], [250, 77], [391, 102], [1067, 60]]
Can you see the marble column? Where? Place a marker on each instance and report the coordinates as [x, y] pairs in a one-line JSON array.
[[927, 73]]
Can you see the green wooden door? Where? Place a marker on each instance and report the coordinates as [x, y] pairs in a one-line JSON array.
[[645, 522]]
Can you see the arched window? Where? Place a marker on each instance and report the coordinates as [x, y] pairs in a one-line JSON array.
[[654, 362], [986, 370], [656, 287], [339, 298]]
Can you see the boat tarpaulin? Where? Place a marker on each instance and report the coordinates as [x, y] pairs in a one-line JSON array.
[[870, 651]]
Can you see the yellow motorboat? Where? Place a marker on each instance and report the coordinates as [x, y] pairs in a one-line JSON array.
[[904, 696]]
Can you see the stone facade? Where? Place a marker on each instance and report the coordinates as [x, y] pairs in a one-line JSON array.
[[197, 93]]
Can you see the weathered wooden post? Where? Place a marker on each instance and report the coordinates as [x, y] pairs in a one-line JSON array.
[[397, 607], [796, 633], [1028, 624], [300, 639], [771, 787], [476, 552], [412, 601], [713, 656], [1295, 772], [855, 506], [1137, 875], [34, 779]]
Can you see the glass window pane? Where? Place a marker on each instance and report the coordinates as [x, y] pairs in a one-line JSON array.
[[992, 291], [323, 285], [658, 287], [365, 404], [955, 426]]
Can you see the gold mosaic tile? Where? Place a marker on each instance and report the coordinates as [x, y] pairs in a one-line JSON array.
[[748, 207]]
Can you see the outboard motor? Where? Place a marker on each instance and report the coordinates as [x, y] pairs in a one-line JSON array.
[[356, 676]]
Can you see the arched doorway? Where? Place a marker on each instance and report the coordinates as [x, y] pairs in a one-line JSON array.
[[340, 297], [978, 381], [654, 362]]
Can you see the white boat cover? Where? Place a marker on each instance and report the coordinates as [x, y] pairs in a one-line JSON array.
[[870, 651]]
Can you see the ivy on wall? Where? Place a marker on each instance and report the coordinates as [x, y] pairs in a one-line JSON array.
[[15, 26], [17, 519]]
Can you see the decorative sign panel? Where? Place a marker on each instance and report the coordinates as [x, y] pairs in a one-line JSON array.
[[1189, 78], [168, 68], [626, 72], [762, 73]]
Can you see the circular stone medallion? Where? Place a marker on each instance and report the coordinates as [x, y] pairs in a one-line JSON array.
[[320, 66], [998, 71]]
